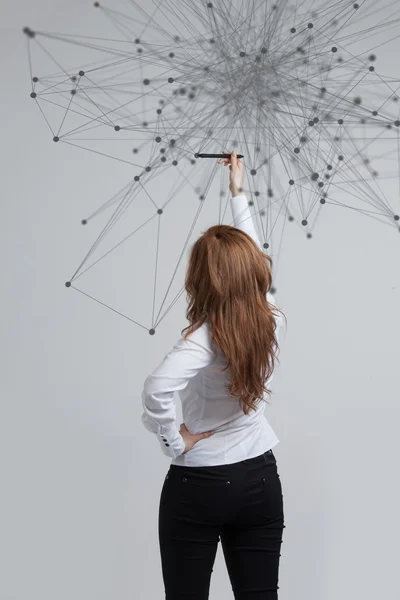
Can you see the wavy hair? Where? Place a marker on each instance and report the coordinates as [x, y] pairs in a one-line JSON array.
[[226, 283]]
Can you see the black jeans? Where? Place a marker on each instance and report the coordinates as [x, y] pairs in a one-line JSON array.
[[241, 504]]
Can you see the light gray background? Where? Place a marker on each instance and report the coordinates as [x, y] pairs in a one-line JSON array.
[[81, 477]]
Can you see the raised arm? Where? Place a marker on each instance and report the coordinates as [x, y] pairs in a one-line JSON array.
[[242, 217]]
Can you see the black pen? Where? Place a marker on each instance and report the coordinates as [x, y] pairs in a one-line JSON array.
[[215, 155]]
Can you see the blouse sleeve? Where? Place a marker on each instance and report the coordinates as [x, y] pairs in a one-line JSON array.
[[184, 361], [243, 219]]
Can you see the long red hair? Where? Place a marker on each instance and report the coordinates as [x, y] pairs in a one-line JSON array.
[[227, 280]]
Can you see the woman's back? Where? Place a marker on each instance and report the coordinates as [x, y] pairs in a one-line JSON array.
[[206, 405], [194, 368]]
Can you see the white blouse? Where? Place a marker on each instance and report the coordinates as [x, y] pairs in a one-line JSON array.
[[188, 369]]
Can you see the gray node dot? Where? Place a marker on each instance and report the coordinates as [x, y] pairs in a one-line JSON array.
[[33, 94], [321, 183], [137, 41], [135, 150], [256, 194], [309, 235], [291, 182], [334, 49], [84, 221], [253, 172], [35, 79], [340, 121], [372, 69], [304, 222], [29, 32], [296, 150], [146, 81], [311, 123], [174, 162], [250, 203], [152, 331], [148, 169], [397, 123], [68, 284], [322, 201], [81, 73], [374, 112], [265, 245], [270, 193], [396, 217], [56, 138], [158, 139], [314, 176], [117, 128], [293, 30], [73, 92], [340, 157], [136, 178], [170, 80], [242, 54], [310, 26], [263, 50], [163, 159], [159, 111], [290, 218], [160, 211]]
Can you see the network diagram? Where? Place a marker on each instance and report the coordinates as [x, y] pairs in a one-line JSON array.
[[297, 87]]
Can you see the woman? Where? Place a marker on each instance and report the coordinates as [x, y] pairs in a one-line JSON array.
[[223, 482]]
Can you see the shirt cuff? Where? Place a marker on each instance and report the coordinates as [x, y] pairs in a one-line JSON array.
[[172, 443]]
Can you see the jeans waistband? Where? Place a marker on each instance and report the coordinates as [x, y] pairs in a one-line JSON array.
[[262, 458]]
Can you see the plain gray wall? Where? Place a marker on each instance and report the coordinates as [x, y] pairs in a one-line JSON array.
[[81, 477]]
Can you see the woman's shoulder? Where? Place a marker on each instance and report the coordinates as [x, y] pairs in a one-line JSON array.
[[202, 336]]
